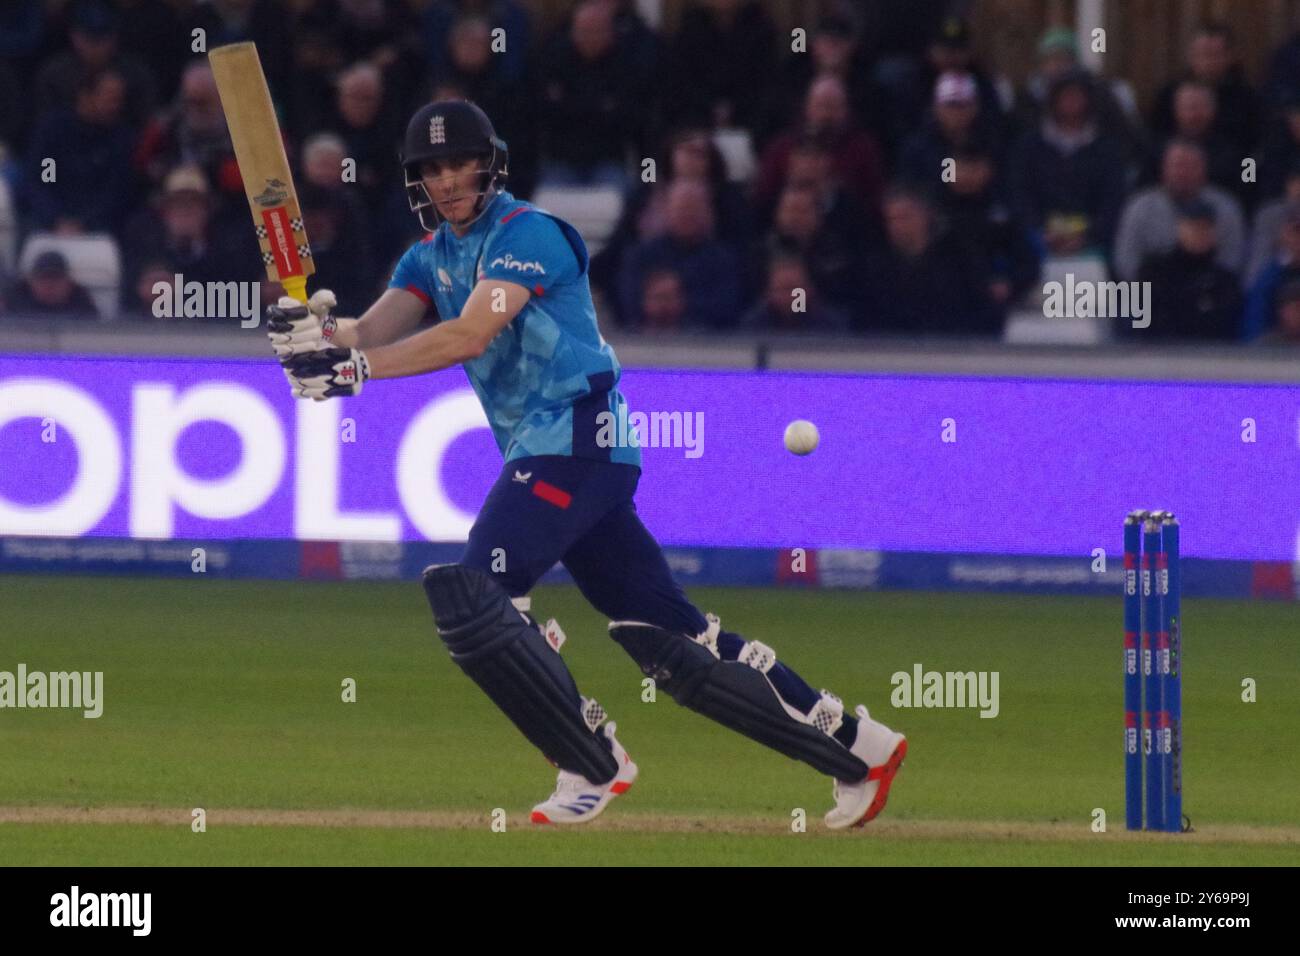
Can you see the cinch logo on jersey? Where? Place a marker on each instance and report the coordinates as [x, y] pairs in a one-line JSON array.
[[74, 689], [508, 261], [103, 909]]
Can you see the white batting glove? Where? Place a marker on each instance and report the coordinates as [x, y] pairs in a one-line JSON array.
[[327, 373], [294, 328]]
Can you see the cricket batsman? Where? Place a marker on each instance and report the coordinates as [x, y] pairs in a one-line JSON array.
[[500, 287]]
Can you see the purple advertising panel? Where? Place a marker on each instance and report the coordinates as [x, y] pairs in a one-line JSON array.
[[201, 449]]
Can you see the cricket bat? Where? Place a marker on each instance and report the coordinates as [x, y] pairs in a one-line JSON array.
[[259, 150]]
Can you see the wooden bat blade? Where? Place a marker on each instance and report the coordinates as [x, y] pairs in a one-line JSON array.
[[259, 150]]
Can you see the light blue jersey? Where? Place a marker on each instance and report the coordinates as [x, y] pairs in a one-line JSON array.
[[548, 374]]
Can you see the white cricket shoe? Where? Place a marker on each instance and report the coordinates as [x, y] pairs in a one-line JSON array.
[[576, 799], [883, 751]]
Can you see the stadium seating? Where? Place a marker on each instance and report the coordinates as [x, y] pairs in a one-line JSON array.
[[593, 210]]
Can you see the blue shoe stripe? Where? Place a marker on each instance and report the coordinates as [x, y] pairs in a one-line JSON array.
[[583, 803]]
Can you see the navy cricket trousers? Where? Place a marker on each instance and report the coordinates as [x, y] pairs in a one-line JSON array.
[[580, 512]]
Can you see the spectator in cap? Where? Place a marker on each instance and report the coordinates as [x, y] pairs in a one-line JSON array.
[[1266, 230], [896, 38], [955, 124], [1114, 102], [49, 290], [1067, 177], [1191, 295], [1149, 222], [1281, 271], [90, 147], [950, 51], [179, 230], [1212, 58], [93, 37]]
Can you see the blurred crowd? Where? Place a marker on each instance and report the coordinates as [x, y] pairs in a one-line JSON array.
[[882, 180]]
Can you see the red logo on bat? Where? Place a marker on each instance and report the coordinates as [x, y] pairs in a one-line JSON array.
[[280, 236]]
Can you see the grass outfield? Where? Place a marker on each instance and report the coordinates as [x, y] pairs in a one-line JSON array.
[[226, 695]]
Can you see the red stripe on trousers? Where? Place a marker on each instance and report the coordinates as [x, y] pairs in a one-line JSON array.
[[548, 492]]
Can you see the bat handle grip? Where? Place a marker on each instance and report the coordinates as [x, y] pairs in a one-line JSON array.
[[296, 286]]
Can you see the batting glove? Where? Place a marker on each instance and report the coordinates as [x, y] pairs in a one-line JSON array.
[[294, 328], [327, 373]]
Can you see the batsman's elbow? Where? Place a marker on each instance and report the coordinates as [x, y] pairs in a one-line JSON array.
[[473, 347], [475, 339]]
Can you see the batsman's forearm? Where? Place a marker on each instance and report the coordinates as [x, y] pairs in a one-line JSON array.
[[446, 344], [370, 332], [394, 316], [348, 334]]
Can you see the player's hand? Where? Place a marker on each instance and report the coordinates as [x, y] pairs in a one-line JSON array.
[[327, 373], [294, 328]]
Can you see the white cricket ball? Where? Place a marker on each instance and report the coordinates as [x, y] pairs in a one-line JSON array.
[[801, 437]]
